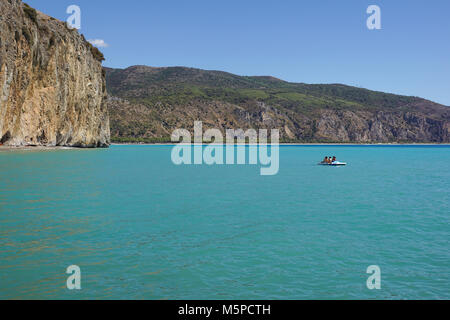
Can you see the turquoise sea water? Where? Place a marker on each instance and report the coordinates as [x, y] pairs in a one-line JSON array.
[[140, 227]]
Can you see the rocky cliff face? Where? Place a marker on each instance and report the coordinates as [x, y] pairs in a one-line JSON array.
[[147, 104], [382, 127], [52, 87]]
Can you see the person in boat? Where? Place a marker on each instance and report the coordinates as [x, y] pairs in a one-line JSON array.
[[334, 160], [325, 160], [329, 160]]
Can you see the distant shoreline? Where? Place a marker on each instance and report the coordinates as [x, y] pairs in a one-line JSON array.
[[296, 144], [46, 148]]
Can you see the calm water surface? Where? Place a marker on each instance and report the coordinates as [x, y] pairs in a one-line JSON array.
[[141, 228]]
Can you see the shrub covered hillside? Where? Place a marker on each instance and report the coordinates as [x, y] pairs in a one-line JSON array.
[[146, 104]]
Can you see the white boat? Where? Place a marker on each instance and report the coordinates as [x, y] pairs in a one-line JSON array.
[[333, 164]]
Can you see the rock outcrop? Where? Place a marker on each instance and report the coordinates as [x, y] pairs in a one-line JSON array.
[[52, 86]]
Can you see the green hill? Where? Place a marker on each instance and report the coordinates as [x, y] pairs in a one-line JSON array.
[[147, 104]]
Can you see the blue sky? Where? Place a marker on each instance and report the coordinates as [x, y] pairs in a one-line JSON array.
[[314, 41]]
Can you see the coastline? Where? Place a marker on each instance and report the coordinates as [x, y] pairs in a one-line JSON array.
[[295, 144], [33, 148], [47, 148]]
